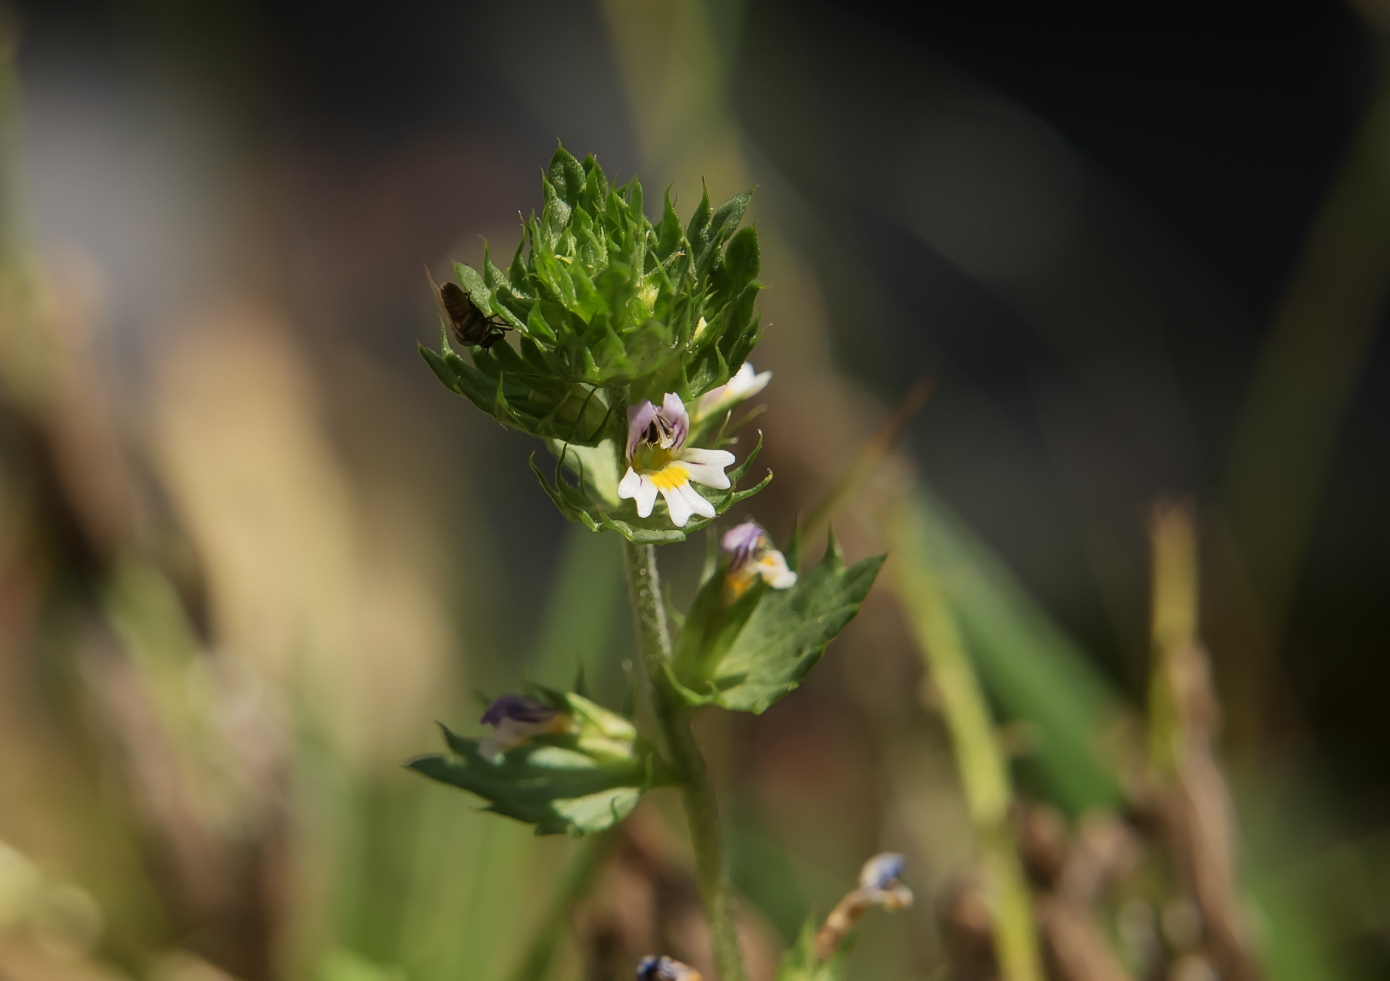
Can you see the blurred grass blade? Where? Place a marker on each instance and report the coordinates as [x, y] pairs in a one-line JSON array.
[[1174, 627], [1031, 669], [578, 879], [983, 769]]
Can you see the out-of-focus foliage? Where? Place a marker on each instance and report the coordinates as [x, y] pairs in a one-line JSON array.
[[1032, 669]]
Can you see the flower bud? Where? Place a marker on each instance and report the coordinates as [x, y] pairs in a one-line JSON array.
[[878, 886], [751, 555], [665, 969], [515, 719]]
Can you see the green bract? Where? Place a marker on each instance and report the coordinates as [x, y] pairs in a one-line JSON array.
[[585, 780], [750, 654], [608, 309]]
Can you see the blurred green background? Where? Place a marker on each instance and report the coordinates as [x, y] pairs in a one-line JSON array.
[[250, 549]]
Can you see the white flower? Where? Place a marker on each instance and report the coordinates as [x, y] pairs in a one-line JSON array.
[[659, 460], [743, 385], [751, 555]]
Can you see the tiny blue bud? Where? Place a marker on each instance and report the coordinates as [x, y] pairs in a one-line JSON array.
[[880, 873], [654, 968]]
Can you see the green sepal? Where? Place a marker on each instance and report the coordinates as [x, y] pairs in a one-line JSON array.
[[799, 962], [581, 781], [747, 656]]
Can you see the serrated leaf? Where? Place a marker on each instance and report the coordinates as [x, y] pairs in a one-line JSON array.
[[749, 655], [581, 781], [441, 369], [474, 286], [567, 175]]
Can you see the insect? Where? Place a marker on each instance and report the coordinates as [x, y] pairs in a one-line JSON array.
[[470, 325]]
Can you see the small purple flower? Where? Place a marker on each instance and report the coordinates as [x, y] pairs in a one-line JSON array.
[[515, 719], [519, 708], [751, 555], [659, 461], [740, 542], [665, 969], [665, 427]]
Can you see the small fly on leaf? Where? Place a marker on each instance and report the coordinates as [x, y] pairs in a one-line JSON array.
[[470, 325]]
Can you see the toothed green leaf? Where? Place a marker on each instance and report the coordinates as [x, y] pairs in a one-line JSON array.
[[747, 655], [583, 780]]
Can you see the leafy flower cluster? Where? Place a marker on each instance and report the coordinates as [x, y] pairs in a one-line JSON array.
[[610, 311]]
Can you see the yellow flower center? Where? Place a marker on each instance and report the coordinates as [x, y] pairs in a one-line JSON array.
[[656, 463], [671, 476]]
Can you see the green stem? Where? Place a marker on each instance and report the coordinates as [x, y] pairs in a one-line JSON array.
[[672, 716], [983, 771]]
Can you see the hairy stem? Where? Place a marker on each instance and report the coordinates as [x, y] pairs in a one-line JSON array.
[[673, 718]]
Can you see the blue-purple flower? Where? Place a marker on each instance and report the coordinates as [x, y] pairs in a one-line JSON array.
[[514, 720], [751, 555], [743, 385], [659, 460], [665, 969]]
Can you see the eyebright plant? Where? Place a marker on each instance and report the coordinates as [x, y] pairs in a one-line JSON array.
[[623, 345], [611, 314]]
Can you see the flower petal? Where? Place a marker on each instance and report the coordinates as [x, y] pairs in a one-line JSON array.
[[712, 401], [743, 385], [677, 505], [674, 410], [772, 566], [715, 458], [697, 503], [746, 383], [646, 497], [627, 487], [517, 708], [707, 466], [639, 417], [638, 487], [709, 476], [739, 543]]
